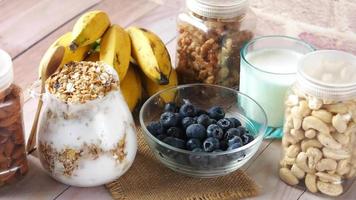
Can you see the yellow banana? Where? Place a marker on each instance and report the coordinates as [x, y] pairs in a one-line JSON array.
[[151, 54], [65, 41], [131, 87], [115, 49], [89, 27], [152, 87]]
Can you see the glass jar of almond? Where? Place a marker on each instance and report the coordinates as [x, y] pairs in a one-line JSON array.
[[13, 160], [210, 36], [319, 142]]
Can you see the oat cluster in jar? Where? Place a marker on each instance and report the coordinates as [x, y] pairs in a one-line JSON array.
[[319, 142], [13, 161], [86, 133], [210, 36]]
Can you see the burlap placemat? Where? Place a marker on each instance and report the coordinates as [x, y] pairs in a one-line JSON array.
[[148, 179]]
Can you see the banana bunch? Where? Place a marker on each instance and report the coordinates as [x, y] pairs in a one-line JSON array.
[[139, 56]]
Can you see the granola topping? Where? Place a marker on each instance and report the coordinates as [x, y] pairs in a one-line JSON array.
[[79, 82]]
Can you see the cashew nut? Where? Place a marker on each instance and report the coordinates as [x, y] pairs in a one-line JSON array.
[[289, 139], [314, 155], [305, 144], [352, 173], [326, 164], [310, 183], [314, 103], [323, 115], [304, 108], [336, 108], [297, 172], [286, 175], [312, 122], [287, 161], [301, 162], [297, 118], [336, 154], [351, 129], [329, 178], [292, 151], [341, 138], [343, 167], [292, 100], [328, 141], [297, 134], [311, 133], [340, 123], [330, 188]]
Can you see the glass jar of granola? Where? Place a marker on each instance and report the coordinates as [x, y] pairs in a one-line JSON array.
[[319, 142], [86, 134], [210, 36], [13, 161]]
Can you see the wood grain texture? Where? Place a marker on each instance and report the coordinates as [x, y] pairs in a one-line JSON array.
[[29, 24]]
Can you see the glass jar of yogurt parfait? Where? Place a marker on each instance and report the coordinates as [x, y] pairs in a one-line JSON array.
[[86, 134], [319, 141]]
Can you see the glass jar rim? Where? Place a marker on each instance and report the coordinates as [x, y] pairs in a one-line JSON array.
[[243, 52], [321, 89], [218, 9]]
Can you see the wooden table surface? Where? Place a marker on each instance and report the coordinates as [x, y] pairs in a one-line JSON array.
[[28, 27]]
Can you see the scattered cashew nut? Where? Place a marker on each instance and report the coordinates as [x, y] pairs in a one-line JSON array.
[[301, 162], [311, 133], [340, 123], [336, 108], [336, 154], [343, 167], [293, 150], [314, 155], [305, 144], [330, 178], [297, 172], [315, 103]]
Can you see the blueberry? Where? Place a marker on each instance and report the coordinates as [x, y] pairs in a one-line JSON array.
[[187, 110], [246, 139], [236, 123], [198, 160], [234, 146], [216, 113], [161, 137], [242, 130], [175, 132], [225, 124], [223, 145], [204, 120], [210, 144], [213, 121], [169, 119], [187, 121], [232, 132], [235, 139], [196, 131], [215, 131], [170, 107], [175, 142], [193, 144], [155, 128]]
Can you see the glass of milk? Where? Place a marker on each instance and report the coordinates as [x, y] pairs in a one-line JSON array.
[[268, 69]]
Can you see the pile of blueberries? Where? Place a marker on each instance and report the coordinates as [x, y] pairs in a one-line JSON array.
[[197, 130]]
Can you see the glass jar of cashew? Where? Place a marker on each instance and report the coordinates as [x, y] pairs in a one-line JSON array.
[[319, 141]]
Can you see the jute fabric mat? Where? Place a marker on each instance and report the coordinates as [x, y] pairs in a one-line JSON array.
[[148, 179]]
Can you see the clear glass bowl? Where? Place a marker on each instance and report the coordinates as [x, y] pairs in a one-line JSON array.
[[204, 96]]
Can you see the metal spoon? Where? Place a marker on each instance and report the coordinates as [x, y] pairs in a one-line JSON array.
[[48, 65]]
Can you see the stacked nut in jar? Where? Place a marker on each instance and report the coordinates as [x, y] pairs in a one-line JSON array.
[[319, 142], [211, 34], [13, 162]]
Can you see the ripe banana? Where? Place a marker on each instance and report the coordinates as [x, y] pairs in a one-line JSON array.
[[151, 54], [115, 49], [152, 87], [131, 87], [89, 27], [65, 41]]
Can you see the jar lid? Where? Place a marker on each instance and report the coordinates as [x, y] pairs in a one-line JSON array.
[[328, 74], [221, 9], [6, 71]]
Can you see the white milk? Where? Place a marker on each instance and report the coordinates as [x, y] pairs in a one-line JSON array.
[[268, 86]]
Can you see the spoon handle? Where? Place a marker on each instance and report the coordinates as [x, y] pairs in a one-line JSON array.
[[31, 142]]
